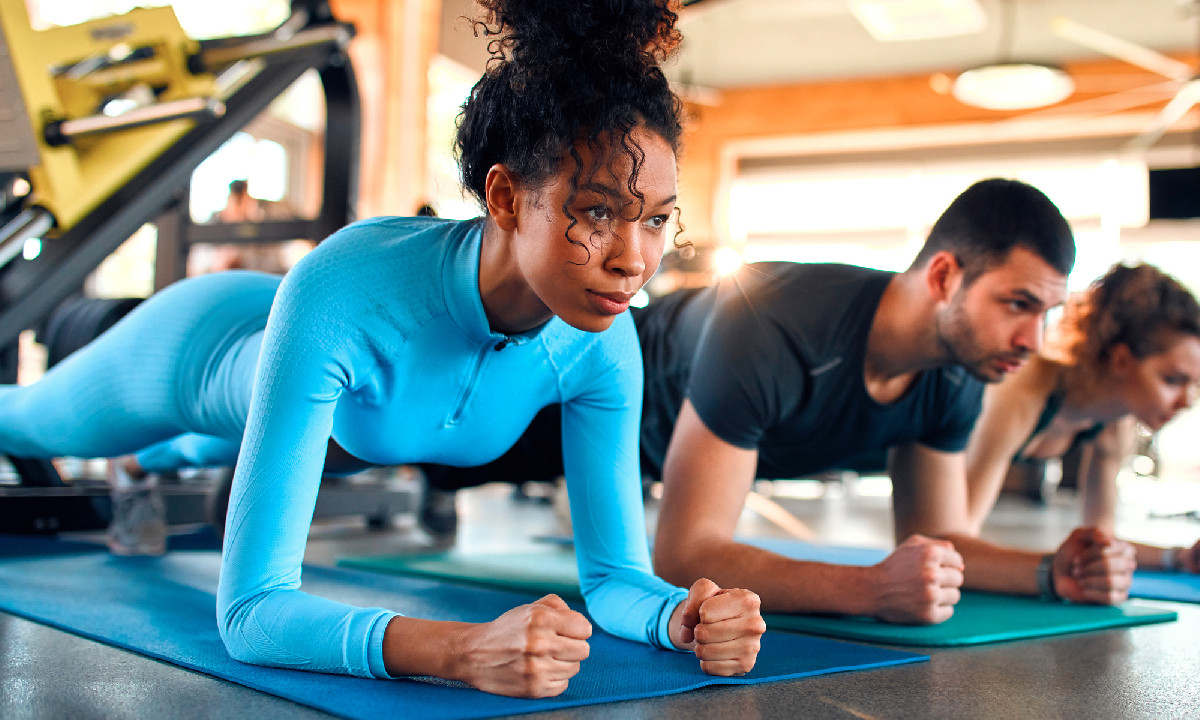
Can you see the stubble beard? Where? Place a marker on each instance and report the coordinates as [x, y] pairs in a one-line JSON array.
[[959, 344]]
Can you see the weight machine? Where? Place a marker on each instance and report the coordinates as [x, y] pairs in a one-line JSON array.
[[101, 127]]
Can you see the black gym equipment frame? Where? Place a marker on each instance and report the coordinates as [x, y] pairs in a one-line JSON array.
[[29, 296], [30, 290]]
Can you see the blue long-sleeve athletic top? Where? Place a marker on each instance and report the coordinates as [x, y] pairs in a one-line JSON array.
[[378, 339]]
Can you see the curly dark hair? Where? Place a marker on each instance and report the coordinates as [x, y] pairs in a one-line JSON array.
[[564, 73], [1138, 305]]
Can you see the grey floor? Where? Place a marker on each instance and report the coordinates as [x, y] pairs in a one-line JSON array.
[[1142, 672]]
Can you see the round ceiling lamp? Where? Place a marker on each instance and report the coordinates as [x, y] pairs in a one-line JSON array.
[[1013, 86]]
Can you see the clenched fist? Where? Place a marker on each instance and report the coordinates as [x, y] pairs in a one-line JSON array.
[[919, 582], [722, 627], [530, 651], [1092, 566]]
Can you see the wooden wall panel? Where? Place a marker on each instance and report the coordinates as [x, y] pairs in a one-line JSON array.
[[397, 39], [868, 104], [391, 54]]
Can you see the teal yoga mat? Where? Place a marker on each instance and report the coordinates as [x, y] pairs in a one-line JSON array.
[[981, 618], [537, 572], [165, 608], [978, 618]]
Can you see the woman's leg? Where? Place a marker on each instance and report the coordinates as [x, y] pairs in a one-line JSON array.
[[188, 451], [147, 379], [106, 399]]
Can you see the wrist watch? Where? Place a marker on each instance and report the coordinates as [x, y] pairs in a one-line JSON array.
[[1169, 556], [1045, 579]]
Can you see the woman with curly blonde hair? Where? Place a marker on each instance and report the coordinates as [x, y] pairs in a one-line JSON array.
[[1126, 351]]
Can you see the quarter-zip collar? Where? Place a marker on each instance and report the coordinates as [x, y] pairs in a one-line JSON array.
[[460, 280]]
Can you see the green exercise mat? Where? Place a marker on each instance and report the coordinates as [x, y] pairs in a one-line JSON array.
[[538, 572], [978, 618]]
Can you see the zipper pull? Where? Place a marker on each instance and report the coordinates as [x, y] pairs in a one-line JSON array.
[[502, 344]]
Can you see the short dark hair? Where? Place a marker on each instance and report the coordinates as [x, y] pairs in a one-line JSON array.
[[993, 216]]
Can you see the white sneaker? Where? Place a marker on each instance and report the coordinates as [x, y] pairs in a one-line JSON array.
[[138, 524]]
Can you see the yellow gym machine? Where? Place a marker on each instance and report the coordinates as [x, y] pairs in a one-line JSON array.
[[101, 127]]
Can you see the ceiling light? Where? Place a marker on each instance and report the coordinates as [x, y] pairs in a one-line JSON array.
[[895, 20], [1013, 86]]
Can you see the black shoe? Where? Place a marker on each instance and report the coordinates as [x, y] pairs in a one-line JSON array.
[[438, 516]]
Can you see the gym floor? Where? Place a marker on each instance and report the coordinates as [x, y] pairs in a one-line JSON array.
[[1138, 672]]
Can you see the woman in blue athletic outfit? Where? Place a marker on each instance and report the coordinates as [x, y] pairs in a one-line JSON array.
[[1127, 350], [426, 340]]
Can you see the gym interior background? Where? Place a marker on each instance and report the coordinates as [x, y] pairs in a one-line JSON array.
[[817, 132], [830, 141]]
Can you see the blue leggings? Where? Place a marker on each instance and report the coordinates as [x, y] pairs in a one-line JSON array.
[[192, 450], [170, 382]]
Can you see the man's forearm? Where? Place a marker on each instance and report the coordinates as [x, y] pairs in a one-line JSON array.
[[994, 568], [783, 584]]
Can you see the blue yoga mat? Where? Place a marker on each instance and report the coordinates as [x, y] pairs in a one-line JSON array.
[[165, 608], [1180, 587], [800, 550], [15, 546]]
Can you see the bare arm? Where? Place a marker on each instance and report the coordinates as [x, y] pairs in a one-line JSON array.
[[1010, 412], [1103, 458], [1181, 559], [705, 484], [530, 651], [929, 496], [1153, 557]]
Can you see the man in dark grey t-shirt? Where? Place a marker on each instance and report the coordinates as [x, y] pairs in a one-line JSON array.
[[784, 370], [772, 358]]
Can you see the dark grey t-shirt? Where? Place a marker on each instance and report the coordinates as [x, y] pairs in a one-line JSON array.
[[772, 358]]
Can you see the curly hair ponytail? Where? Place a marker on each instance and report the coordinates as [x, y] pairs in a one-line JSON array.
[[563, 73], [1138, 305]]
